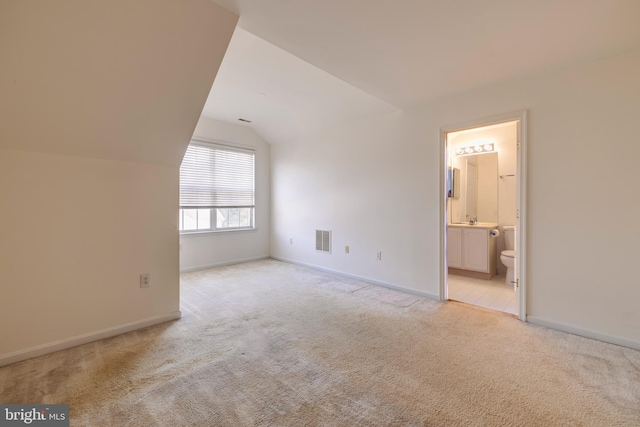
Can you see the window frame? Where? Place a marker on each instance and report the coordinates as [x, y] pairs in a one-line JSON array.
[[213, 228], [213, 222]]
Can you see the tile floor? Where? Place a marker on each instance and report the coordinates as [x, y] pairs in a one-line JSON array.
[[494, 293]]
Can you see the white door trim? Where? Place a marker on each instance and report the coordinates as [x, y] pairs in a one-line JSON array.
[[521, 199]]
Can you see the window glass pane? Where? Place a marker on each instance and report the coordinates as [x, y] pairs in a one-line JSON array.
[[204, 219], [190, 220], [180, 224], [245, 217], [221, 218], [234, 218]]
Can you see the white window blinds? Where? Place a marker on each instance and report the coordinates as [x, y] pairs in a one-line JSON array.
[[214, 176]]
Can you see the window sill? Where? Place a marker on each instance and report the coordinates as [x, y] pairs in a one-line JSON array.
[[208, 232]]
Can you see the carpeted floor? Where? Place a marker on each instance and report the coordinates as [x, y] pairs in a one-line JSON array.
[[273, 344]]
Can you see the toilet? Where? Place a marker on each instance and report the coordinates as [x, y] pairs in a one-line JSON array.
[[508, 255]]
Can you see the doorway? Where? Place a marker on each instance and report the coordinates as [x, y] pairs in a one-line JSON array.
[[483, 212]]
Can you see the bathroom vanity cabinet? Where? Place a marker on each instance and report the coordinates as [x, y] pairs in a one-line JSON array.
[[471, 250]]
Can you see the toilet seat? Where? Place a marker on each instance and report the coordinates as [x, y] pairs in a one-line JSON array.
[[509, 253]]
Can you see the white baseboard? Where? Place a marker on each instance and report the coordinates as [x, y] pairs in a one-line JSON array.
[[221, 264], [612, 339], [356, 277], [43, 349]]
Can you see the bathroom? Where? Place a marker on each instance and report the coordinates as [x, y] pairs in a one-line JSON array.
[[481, 215]]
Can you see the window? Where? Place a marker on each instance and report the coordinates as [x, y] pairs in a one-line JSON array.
[[217, 188]]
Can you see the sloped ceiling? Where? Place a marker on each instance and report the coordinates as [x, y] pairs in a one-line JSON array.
[[117, 80], [409, 52]]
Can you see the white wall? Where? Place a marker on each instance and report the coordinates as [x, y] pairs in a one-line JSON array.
[[376, 184], [99, 101], [202, 250], [368, 184], [76, 235], [506, 146]]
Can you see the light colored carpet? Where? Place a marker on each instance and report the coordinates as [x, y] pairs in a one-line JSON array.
[[269, 343]]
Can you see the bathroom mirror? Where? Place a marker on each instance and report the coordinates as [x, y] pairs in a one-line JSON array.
[[478, 189], [471, 189]]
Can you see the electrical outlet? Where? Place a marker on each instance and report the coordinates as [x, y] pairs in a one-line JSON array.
[[346, 249], [379, 256], [145, 280]]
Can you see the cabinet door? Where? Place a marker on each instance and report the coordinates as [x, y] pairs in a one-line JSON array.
[[475, 252], [454, 247]]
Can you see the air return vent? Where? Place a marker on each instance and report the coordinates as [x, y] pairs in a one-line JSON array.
[[323, 241]]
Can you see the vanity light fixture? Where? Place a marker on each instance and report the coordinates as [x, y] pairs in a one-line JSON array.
[[474, 149]]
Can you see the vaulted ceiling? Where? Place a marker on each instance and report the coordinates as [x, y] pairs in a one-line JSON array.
[[398, 54]]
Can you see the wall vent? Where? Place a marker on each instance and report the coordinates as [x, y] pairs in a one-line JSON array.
[[323, 241]]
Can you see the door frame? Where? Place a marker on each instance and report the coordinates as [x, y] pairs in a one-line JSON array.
[[521, 201]]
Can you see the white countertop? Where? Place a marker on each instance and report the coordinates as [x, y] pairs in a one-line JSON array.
[[478, 225]]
